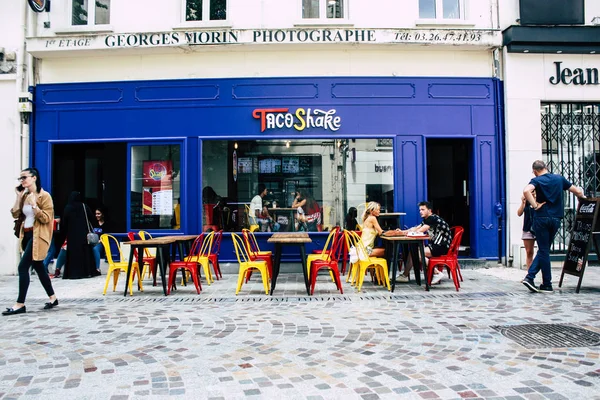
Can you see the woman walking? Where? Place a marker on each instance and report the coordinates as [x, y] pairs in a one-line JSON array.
[[36, 235]]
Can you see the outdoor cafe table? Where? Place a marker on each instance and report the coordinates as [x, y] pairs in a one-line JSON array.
[[407, 241], [180, 241], [298, 239], [160, 244], [181, 244]]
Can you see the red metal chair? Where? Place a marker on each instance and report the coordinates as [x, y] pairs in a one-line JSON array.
[[192, 266], [330, 261], [213, 257], [449, 260], [209, 214], [149, 260]]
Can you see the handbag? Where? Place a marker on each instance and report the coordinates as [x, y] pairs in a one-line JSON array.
[[92, 237], [19, 221]]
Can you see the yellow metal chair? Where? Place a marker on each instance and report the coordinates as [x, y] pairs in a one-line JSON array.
[[115, 268], [359, 268], [247, 265], [203, 256], [251, 220]]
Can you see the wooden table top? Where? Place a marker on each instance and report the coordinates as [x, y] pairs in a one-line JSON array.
[[404, 238], [297, 237], [150, 242], [180, 237]]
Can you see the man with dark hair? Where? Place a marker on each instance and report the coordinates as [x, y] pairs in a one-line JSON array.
[[549, 209], [441, 237], [259, 215]]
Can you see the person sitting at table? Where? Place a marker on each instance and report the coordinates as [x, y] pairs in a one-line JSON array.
[[256, 208], [439, 242], [371, 228], [309, 212], [351, 223], [267, 223]]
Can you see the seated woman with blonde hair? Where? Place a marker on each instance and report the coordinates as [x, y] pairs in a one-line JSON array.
[[371, 229]]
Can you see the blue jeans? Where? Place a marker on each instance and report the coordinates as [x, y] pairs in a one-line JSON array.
[[97, 249], [545, 229], [61, 259], [51, 254]]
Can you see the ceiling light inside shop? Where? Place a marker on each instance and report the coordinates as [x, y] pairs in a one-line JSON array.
[[287, 144], [235, 145]]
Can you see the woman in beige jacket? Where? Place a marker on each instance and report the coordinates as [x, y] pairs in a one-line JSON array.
[[36, 235]]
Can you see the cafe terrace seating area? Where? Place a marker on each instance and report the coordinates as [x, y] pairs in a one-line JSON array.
[[189, 263]]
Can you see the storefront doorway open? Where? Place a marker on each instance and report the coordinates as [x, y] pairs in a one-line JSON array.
[[448, 187], [98, 171]]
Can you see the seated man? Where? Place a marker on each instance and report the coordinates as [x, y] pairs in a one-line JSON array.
[[259, 215], [267, 223], [441, 237]]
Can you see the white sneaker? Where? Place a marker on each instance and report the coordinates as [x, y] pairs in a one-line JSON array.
[[436, 278], [401, 278]]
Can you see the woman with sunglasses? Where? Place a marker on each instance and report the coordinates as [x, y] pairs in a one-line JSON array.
[[36, 235]]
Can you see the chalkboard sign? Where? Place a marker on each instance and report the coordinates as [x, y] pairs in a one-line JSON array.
[[582, 239]]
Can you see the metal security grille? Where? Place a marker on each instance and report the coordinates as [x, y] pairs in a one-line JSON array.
[[571, 148]]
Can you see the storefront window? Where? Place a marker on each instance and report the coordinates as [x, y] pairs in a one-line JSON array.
[[332, 175], [155, 187]]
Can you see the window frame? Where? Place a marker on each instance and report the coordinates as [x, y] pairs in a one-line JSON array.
[[67, 26], [205, 22], [183, 190], [323, 20], [440, 20]]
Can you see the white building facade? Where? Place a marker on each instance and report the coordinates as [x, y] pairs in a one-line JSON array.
[[431, 67], [552, 100]]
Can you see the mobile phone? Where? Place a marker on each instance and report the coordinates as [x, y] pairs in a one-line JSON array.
[[20, 188]]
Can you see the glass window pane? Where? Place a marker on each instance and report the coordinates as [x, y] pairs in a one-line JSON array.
[[218, 10], [451, 9], [310, 8], [335, 8], [102, 12], [332, 175], [155, 187], [427, 9], [80, 12], [193, 10]]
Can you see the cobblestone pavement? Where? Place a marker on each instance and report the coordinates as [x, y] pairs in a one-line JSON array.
[[375, 344]]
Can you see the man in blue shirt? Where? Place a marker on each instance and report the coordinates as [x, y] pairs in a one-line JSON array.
[[549, 209]]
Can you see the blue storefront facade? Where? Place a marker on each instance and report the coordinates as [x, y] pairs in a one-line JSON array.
[[413, 114]]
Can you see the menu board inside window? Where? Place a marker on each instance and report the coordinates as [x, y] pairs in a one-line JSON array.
[[290, 165], [270, 165], [244, 165]]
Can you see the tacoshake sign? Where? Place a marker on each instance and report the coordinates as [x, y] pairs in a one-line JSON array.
[[300, 119]]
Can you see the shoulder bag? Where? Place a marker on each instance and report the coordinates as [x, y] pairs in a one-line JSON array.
[[19, 221], [92, 237]]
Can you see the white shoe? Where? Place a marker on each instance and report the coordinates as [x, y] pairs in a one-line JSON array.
[[436, 278], [401, 278]]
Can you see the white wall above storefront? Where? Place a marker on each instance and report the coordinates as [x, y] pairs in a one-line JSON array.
[[529, 81], [275, 62]]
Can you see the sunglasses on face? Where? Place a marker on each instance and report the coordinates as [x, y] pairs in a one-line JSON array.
[[22, 178]]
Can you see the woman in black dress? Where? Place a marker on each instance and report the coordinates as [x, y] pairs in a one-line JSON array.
[[80, 256]]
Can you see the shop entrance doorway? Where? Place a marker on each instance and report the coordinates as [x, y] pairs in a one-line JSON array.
[[98, 171], [448, 183]]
